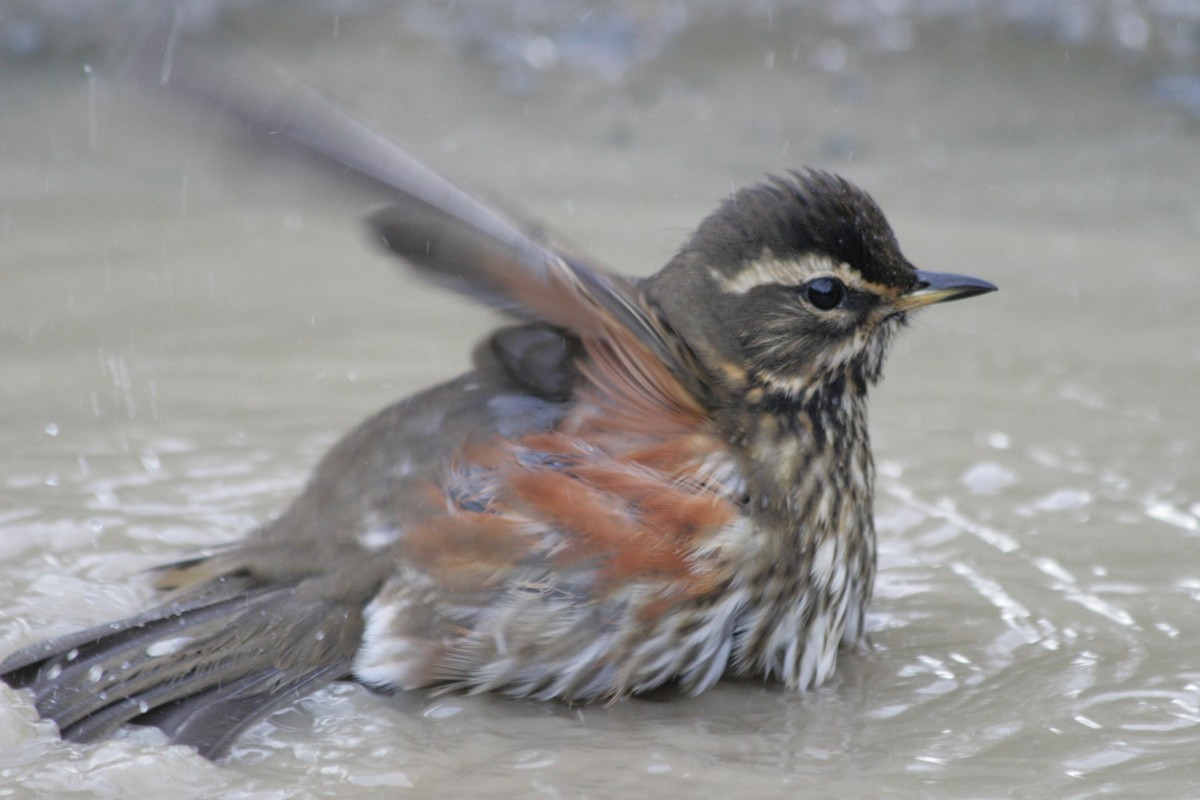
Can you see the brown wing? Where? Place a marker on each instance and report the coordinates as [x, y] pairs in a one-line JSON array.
[[565, 564]]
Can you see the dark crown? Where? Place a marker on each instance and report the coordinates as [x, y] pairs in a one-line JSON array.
[[808, 212]]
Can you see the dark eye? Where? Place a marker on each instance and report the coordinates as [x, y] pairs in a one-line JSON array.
[[824, 293]]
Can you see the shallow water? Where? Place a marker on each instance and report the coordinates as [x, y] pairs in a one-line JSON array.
[[181, 336]]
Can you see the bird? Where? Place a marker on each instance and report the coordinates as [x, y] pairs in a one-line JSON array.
[[641, 483]]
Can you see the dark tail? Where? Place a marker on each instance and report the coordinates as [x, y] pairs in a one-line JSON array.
[[203, 668]]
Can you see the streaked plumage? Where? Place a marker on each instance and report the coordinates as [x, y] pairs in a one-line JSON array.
[[643, 483]]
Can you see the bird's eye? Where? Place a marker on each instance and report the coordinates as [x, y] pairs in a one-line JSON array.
[[824, 293]]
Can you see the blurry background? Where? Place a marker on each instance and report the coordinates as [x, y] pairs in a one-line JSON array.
[[184, 329]]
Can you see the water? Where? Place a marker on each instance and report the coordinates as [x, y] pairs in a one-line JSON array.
[[183, 335]]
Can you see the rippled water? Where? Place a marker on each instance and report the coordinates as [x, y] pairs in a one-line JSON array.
[[181, 338]]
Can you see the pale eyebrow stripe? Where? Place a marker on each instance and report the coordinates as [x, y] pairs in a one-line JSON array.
[[768, 270]]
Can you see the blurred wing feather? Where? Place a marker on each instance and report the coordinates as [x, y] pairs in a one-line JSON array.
[[448, 235]]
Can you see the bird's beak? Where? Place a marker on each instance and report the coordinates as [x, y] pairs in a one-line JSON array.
[[938, 287]]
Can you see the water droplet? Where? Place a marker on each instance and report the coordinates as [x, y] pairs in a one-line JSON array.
[[51, 429], [1170, 630], [1064, 500], [1132, 29], [1165, 512], [998, 440], [167, 647], [442, 711], [95, 674], [72, 655], [988, 477], [53, 673], [540, 52]]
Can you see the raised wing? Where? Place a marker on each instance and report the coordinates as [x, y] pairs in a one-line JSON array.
[[448, 235]]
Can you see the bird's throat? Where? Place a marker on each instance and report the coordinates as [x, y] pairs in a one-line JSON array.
[[810, 474]]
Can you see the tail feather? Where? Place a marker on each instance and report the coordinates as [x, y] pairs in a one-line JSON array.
[[203, 668], [21, 668], [211, 722]]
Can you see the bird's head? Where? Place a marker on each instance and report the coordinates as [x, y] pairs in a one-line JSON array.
[[795, 283]]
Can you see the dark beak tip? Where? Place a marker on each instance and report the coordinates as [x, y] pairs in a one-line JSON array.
[[951, 285], [973, 289]]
